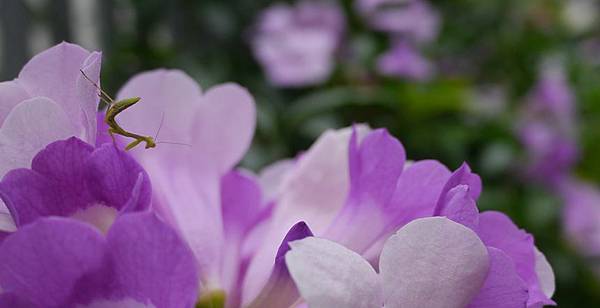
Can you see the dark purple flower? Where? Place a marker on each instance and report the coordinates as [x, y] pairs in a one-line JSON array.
[[71, 178]]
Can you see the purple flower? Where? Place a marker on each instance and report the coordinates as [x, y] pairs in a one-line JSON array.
[[414, 19], [404, 61], [49, 101], [60, 262], [547, 129], [296, 45]]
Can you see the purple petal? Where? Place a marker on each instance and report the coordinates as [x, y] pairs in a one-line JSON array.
[[329, 275], [462, 176], [503, 288], [461, 207], [498, 231], [43, 261], [151, 262], [432, 262], [55, 186], [280, 290], [68, 176], [112, 175], [375, 166], [417, 191]]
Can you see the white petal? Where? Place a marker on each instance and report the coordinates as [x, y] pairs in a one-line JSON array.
[[28, 128], [432, 262], [329, 275], [544, 272]]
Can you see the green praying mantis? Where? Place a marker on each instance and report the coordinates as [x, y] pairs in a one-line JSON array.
[[114, 109]]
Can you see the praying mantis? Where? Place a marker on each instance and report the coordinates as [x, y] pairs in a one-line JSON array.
[[114, 108]]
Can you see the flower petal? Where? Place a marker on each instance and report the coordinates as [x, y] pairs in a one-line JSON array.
[[43, 261], [111, 176], [30, 126], [503, 288], [11, 94], [55, 186], [329, 275], [498, 231], [432, 262], [224, 125], [417, 191], [545, 274], [462, 176], [151, 262], [461, 207]]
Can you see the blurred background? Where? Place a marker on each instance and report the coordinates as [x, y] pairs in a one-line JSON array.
[[510, 86]]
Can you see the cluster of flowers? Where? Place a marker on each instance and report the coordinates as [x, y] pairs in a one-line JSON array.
[[297, 45], [349, 223], [549, 134]]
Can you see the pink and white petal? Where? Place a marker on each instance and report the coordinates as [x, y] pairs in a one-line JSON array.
[[87, 92], [31, 126], [53, 73], [432, 262], [329, 275], [11, 94], [171, 94], [503, 288], [223, 127]]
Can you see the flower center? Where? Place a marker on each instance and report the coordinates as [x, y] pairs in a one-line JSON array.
[[98, 215]]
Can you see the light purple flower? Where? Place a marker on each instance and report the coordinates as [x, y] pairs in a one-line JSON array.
[[547, 128], [367, 197], [61, 262], [216, 210], [416, 20], [296, 45], [72, 179], [404, 61]]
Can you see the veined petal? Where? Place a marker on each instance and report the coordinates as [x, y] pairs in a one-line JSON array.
[[329, 275], [432, 262]]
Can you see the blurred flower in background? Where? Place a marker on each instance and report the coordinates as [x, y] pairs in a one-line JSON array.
[[296, 45]]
